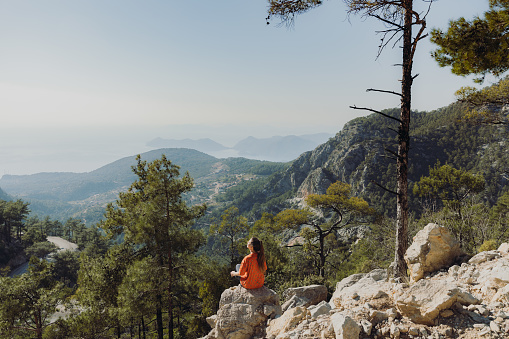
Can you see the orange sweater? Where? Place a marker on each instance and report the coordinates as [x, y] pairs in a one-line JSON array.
[[251, 276]]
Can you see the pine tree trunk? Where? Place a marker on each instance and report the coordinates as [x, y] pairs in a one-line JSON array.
[[159, 306], [400, 267], [159, 317], [170, 299], [143, 327], [38, 324], [322, 256]]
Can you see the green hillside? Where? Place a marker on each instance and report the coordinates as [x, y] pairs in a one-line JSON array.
[[84, 195]]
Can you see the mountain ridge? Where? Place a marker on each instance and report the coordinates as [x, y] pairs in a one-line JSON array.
[[355, 155], [275, 148]]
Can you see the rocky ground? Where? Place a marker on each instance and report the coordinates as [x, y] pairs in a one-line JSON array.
[[467, 300]]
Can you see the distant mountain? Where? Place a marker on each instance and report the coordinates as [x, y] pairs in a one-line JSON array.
[[78, 186], [202, 145], [4, 196], [279, 148]]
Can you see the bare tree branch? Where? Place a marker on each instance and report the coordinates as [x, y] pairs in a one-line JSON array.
[[391, 152], [384, 188], [297, 245], [382, 91], [375, 111], [388, 157], [392, 23]]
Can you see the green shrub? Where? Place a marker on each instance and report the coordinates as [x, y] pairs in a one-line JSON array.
[[488, 245]]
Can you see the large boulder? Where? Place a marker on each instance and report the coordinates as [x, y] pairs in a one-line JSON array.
[[317, 310], [304, 296], [424, 300], [243, 313], [372, 285], [288, 321], [433, 248], [344, 326]]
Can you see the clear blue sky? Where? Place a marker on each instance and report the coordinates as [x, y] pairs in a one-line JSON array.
[[89, 73]]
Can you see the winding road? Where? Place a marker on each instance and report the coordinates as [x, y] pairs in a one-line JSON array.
[[62, 244]]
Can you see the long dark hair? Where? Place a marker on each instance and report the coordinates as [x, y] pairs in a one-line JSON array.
[[258, 248]]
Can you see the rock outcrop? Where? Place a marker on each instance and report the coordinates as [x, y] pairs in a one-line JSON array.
[[243, 313], [465, 301]]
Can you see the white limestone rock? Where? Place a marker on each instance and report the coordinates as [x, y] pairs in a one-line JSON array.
[[433, 248], [242, 313], [288, 321], [376, 316], [367, 326], [345, 327], [212, 320], [504, 248], [484, 256], [320, 309], [502, 294], [467, 274], [424, 300], [304, 296], [372, 285]]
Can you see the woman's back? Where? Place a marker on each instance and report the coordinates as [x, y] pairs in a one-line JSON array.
[[251, 276]]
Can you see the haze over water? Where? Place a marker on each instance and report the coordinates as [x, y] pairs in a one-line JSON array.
[[86, 82]]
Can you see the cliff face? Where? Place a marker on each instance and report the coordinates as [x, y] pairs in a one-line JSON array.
[[338, 159], [357, 155]]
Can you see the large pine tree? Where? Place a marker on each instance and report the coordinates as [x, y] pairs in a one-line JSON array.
[[154, 217], [479, 47], [399, 17]]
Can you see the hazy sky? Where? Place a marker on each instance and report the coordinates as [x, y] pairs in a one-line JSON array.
[[85, 82]]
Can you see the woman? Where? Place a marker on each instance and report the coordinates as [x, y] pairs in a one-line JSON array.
[[253, 266]]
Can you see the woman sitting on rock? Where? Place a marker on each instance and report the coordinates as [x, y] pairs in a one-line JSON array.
[[253, 266]]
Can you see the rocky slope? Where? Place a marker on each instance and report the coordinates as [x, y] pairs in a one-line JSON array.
[[457, 297]]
